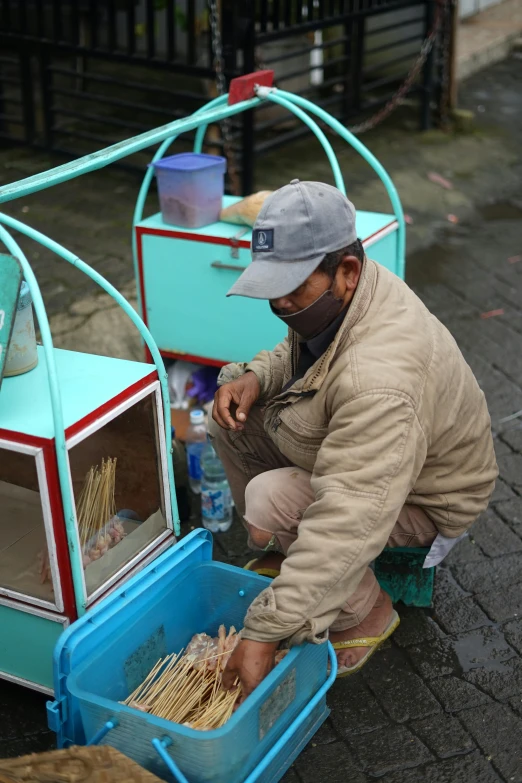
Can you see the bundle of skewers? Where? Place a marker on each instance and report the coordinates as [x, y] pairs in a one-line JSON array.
[[98, 525], [186, 687]]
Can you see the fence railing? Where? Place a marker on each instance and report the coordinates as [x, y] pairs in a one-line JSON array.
[[77, 74]]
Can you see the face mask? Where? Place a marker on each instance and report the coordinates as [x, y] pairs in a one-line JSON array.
[[316, 317]]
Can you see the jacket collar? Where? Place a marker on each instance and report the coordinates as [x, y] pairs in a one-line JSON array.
[[315, 376]]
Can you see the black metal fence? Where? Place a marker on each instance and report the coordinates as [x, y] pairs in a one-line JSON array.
[[77, 75]]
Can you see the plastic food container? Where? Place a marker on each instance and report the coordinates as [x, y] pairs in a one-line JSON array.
[[191, 187], [106, 654]]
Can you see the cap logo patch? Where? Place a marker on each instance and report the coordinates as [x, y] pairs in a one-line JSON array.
[[263, 240]]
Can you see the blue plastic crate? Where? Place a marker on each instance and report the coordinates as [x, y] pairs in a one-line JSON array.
[[104, 656]]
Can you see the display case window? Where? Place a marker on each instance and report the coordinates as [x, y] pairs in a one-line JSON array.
[[118, 479], [25, 566]]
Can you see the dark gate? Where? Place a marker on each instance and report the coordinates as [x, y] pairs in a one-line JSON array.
[[80, 74]]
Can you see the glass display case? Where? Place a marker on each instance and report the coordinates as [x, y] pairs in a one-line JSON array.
[[116, 456], [117, 465], [27, 554]]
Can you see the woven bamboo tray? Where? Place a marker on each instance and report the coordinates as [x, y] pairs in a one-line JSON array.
[[96, 764]]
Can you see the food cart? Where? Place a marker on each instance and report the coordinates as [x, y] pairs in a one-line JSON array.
[[77, 423]]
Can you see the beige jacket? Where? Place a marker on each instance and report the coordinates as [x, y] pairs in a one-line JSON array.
[[390, 414]]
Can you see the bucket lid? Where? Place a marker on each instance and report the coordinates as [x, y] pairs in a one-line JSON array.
[[77, 642], [188, 161]]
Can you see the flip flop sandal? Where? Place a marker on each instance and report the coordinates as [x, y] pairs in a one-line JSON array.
[[270, 572], [373, 642]]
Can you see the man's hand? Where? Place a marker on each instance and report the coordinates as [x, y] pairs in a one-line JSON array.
[[250, 662], [242, 393]]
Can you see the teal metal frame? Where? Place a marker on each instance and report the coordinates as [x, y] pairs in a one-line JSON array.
[[215, 111], [56, 401]]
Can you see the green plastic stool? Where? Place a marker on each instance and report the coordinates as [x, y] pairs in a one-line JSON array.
[[399, 571]]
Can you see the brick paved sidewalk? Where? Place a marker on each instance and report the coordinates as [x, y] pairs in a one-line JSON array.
[[442, 701]]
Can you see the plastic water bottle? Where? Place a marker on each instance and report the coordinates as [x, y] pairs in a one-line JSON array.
[[216, 500], [195, 441]]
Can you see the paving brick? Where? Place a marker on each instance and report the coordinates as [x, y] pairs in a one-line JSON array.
[[504, 603], [502, 448], [290, 776], [466, 551], [30, 743], [511, 513], [513, 438], [501, 492], [494, 727], [446, 588], [22, 712], [483, 647], [325, 735], [355, 710], [398, 688], [489, 575], [516, 705], [455, 694], [444, 736], [331, 764], [472, 768], [493, 535], [434, 659], [416, 627], [513, 634], [510, 468], [389, 749], [461, 614], [501, 682], [496, 345]]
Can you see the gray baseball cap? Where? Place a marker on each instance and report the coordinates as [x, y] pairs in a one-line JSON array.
[[297, 226]]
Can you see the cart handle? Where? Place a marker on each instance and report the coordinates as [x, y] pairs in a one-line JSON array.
[[161, 745], [97, 160], [314, 127], [111, 724], [274, 95]]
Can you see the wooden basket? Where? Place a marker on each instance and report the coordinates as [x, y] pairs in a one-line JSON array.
[[96, 764]]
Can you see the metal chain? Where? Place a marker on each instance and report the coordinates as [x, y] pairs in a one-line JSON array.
[[221, 84], [398, 97], [394, 102]]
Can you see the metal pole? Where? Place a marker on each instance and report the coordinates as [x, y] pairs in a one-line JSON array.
[[45, 76], [452, 55], [27, 95], [101, 158], [249, 65], [427, 71]]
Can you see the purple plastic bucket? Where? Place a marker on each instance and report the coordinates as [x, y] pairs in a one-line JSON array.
[[191, 187]]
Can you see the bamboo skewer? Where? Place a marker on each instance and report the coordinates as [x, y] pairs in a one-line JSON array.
[[96, 505], [183, 688]]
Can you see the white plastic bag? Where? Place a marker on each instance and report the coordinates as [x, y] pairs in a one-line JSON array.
[[178, 376]]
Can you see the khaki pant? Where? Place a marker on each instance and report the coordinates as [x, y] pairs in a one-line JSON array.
[[271, 495]]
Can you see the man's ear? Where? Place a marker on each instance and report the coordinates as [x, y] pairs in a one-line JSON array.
[[351, 271]]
